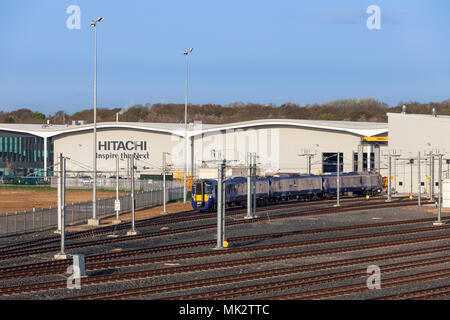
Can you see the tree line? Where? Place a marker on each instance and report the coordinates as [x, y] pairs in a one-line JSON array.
[[368, 110]]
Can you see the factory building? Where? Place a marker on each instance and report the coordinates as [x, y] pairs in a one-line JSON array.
[[281, 145], [411, 134]]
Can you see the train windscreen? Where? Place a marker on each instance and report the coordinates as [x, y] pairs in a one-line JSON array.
[[198, 188]]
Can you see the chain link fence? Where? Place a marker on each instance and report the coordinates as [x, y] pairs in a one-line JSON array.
[[47, 218]]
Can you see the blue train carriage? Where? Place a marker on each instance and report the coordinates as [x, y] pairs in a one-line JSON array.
[[329, 186], [284, 188], [204, 194], [374, 183], [236, 191], [352, 183]]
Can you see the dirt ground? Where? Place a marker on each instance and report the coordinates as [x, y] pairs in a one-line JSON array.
[[20, 200], [143, 214]]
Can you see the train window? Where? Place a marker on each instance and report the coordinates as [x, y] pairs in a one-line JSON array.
[[207, 188]]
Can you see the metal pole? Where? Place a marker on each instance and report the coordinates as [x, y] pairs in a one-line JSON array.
[[45, 158], [59, 198], [439, 222], [224, 200], [418, 181], [94, 199], [431, 176], [220, 205], [164, 182], [440, 186], [63, 202], [185, 133], [117, 190], [309, 164], [192, 161], [254, 185], [133, 204], [94, 220], [395, 174], [389, 178], [249, 186], [338, 180], [62, 174], [133, 231]]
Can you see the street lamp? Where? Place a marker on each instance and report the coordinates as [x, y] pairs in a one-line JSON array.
[[95, 220], [186, 53]]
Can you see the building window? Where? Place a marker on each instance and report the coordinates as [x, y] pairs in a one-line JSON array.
[[364, 168], [372, 161], [329, 162]]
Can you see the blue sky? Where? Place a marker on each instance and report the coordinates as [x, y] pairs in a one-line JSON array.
[[262, 51]]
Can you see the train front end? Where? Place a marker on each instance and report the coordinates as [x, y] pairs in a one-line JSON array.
[[203, 198]]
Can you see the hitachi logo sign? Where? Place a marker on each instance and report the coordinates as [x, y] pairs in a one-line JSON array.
[[122, 145]]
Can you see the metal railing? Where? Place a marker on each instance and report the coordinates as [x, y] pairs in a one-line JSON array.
[[110, 184], [47, 218]]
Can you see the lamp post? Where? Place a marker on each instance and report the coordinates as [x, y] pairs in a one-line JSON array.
[[95, 221], [186, 53]]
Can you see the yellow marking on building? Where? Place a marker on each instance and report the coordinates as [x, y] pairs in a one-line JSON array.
[[375, 139]]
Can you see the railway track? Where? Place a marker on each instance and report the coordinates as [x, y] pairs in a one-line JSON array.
[[95, 280], [95, 232], [298, 283], [432, 293], [19, 252], [185, 216], [362, 287], [260, 275], [98, 261]]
